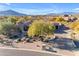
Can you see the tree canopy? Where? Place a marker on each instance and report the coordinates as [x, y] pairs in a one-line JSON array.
[[40, 27], [75, 26]]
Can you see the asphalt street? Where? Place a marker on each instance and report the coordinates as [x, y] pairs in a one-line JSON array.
[[16, 52]]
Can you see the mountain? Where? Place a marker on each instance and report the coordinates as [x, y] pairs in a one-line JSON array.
[[52, 14], [63, 13], [69, 13], [11, 13], [14, 13]]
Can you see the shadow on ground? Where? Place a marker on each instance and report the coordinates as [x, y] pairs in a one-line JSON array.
[[61, 29]]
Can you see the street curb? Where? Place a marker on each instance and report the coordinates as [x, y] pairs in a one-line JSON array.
[[32, 50]]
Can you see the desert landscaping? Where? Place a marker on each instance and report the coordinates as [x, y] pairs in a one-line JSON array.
[[18, 32], [39, 29]]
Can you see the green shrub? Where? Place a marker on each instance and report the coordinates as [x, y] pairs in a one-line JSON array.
[[6, 26], [40, 28]]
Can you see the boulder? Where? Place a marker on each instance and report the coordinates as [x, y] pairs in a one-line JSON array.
[[23, 39], [76, 43], [49, 47], [63, 43]]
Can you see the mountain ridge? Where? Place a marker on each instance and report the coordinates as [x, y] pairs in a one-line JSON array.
[[63, 13], [15, 13], [11, 13]]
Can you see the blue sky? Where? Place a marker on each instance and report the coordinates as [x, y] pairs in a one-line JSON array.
[[40, 8]]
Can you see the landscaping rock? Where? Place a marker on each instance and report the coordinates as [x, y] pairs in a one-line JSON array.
[[23, 39], [63, 43], [30, 40], [16, 41], [49, 48], [76, 43]]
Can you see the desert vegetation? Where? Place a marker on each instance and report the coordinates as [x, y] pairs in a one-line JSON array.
[[42, 27]]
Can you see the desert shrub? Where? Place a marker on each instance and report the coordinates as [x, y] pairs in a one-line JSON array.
[[13, 19], [40, 28], [6, 26]]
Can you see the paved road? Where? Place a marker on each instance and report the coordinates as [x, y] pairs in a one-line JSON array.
[[14, 52]]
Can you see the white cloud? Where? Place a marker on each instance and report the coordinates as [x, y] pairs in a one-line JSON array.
[[76, 9], [35, 11], [3, 7], [8, 3]]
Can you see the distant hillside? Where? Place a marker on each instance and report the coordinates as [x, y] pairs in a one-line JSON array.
[[69, 13], [11, 13], [63, 13], [14, 13]]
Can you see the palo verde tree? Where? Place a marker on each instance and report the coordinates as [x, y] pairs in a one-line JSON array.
[[74, 27], [40, 28]]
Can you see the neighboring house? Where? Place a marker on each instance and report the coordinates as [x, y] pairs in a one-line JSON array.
[[72, 19], [69, 18]]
